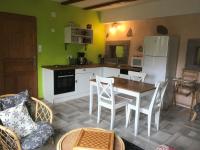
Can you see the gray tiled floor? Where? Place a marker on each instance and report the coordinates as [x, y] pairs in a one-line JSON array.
[[175, 129]]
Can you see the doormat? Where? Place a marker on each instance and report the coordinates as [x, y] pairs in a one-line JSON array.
[[130, 146]]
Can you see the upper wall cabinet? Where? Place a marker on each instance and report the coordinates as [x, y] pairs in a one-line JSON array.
[[78, 35]]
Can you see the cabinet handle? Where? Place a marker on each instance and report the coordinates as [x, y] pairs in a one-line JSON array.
[[93, 74], [76, 81]]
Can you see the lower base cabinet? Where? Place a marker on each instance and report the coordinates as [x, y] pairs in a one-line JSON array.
[[83, 77], [82, 82], [110, 72]]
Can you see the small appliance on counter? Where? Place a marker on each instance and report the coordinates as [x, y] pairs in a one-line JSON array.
[[81, 60], [137, 63]]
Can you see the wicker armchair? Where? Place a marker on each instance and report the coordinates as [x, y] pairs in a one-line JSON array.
[[38, 110]]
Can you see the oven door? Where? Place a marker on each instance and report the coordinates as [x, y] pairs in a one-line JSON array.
[[64, 81]]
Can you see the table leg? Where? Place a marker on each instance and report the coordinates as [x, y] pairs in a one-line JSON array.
[[91, 99], [137, 114]]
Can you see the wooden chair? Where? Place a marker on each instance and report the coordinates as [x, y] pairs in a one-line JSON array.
[[196, 107], [148, 107], [137, 76], [186, 85], [107, 99], [41, 112]]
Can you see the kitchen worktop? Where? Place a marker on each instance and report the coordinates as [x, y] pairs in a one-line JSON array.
[[62, 67]]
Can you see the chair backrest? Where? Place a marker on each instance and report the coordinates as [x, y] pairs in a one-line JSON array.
[[105, 90], [158, 95], [190, 75], [137, 76], [163, 89]]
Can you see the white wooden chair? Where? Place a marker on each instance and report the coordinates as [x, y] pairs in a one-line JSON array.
[[106, 98], [137, 76], [149, 106]]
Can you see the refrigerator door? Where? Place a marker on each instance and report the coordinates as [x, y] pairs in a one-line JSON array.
[[156, 46], [164, 46], [151, 44], [155, 68]]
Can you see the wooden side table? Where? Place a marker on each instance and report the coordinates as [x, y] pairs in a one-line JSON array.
[[67, 141]]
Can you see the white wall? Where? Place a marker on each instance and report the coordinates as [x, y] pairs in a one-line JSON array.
[[152, 9]]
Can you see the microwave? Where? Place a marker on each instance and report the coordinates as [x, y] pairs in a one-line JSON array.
[[136, 61]]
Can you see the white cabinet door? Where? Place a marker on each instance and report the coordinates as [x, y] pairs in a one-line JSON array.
[[96, 72], [83, 83], [48, 84], [83, 79], [111, 72]]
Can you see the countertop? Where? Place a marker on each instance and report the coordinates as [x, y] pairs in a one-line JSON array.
[[63, 67]]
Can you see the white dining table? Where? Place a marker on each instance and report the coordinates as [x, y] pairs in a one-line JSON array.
[[128, 87]]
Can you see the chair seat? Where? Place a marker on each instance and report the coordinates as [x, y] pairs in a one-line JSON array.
[[197, 108], [125, 96], [144, 105], [37, 138], [119, 102]]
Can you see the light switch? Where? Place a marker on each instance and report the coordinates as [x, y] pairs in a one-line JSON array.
[[53, 14], [39, 48], [52, 30]]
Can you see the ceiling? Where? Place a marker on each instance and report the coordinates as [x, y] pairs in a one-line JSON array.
[[109, 4]]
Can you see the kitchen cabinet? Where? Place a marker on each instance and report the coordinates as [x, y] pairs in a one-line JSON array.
[[78, 35], [82, 82], [111, 72], [49, 88], [83, 77]]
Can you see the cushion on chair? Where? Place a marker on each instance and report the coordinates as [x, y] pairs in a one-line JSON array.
[[37, 138], [197, 108], [1, 107], [18, 119], [11, 101], [164, 147]]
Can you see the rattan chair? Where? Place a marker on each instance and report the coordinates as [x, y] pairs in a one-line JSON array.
[[39, 112]]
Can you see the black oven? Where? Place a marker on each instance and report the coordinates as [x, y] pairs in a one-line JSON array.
[[64, 81]]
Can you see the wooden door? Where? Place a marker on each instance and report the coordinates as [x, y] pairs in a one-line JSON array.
[[18, 53]]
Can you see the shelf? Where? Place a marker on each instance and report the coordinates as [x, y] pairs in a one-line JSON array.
[[86, 36], [78, 35]]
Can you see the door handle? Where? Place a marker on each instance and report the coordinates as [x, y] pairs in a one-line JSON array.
[[64, 76], [34, 63]]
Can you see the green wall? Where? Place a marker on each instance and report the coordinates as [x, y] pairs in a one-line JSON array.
[[53, 50]]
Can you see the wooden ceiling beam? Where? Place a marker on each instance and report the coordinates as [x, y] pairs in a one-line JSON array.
[[108, 4], [68, 2]]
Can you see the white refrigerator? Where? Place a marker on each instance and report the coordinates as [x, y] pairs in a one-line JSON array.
[[160, 61]]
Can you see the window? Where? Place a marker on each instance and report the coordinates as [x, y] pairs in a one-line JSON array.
[[193, 54]]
